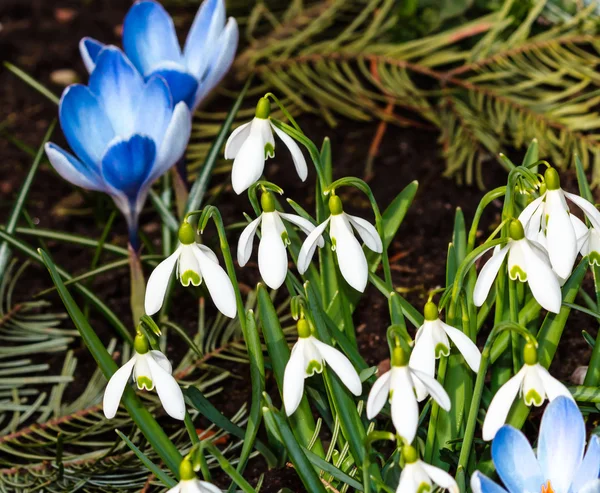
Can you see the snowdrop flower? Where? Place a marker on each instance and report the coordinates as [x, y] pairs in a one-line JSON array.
[[309, 355], [125, 133], [150, 369], [559, 466], [189, 483], [351, 258], [398, 386], [549, 217], [533, 382], [252, 143], [418, 476], [195, 263], [588, 240], [150, 42], [272, 256], [431, 342], [527, 261]]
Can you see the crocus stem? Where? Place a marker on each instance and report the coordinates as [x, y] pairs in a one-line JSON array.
[[138, 285]]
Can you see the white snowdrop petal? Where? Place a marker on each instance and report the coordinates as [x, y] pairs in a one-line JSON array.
[[434, 388], [378, 396], [488, 275], [581, 230], [244, 249], [162, 361], [542, 281], [297, 156], [422, 357], [236, 139], [350, 256], [526, 216], [304, 224], [407, 482], [158, 282], [310, 244], [208, 252], [552, 386], [188, 268], [404, 406], [115, 388], [440, 477], [341, 365], [501, 404], [168, 390], [465, 346], [272, 254], [267, 136], [367, 232], [562, 243], [249, 162], [176, 488], [218, 284], [209, 487], [587, 207], [293, 378]]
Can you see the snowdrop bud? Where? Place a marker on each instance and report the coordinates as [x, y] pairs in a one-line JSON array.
[[303, 328], [186, 234], [140, 344], [430, 311], [186, 470], [515, 230], [263, 108], [409, 454], [552, 179], [335, 205], [530, 354], [267, 202]]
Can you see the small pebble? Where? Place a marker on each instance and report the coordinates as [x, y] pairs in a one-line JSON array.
[[64, 77]]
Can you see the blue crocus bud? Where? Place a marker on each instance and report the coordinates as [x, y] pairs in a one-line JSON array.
[[150, 42], [124, 133]]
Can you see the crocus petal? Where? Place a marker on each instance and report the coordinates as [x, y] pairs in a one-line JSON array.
[[561, 443], [293, 379], [221, 60], [552, 386], [183, 86], [350, 256], [168, 390], [440, 477], [297, 156], [127, 164], [404, 406], [115, 388], [154, 109], [465, 346], [529, 211], [341, 365], [236, 139], [174, 142], [149, 36], [367, 233], [244, 249], [249, 162], [542, 281], [515, 461], [562, 243], [202, 36], [304, 224], [118, 86], [501, 404], [591, 487], [89, 49], [218, 284], [487, 275], [434, 388], [587, 207], [380, 393], [158, 282], [483, 484], [272, 255], [72, 169], [590, 466], [310, 244], [85, 124]]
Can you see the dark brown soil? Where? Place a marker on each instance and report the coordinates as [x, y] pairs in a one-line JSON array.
[[41, 37]]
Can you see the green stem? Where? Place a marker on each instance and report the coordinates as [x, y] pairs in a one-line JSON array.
[[228, 468], [514, 317], [592, 376]]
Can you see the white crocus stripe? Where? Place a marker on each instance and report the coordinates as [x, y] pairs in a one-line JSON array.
[[534, 383], [194, 486], [418, 476], [272, 255], [527, 262], [350, 255], [150, 369], [195, 263], [549, 217], [398, 385], [309, 355]]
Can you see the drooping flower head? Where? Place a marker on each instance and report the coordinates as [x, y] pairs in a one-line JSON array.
[[150, 42], [272, 256], [351, 258], [252, 143], [417, 476], [558, 466], [189, 483], [124, 132]]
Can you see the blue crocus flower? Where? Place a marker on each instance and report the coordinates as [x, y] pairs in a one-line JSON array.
[[150, 42], [559, 466], [124, 133]]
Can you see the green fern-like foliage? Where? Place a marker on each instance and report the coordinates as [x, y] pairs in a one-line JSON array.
[[483, 85]]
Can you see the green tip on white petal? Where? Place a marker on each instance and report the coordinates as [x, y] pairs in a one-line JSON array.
[[533, 397], [144, 383], [190, 277], [552, 179], [313, 367]]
